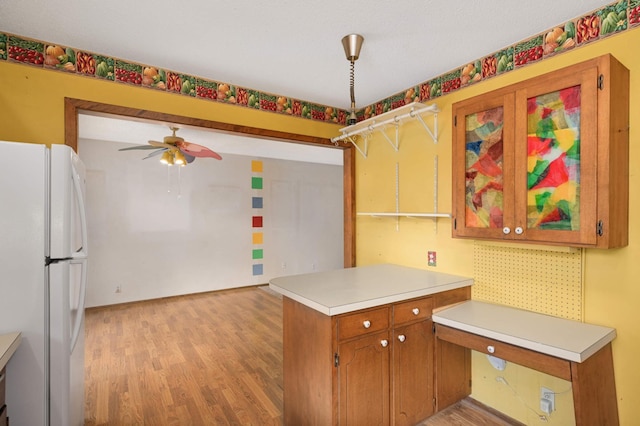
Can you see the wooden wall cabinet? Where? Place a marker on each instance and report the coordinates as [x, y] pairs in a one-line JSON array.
[[374, 366], [546, 160]]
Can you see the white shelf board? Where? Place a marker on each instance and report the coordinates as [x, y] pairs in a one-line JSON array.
[[402, 214]]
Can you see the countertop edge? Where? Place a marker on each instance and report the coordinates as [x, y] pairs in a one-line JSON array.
[[7, 350], [538, 346], [370, 303]]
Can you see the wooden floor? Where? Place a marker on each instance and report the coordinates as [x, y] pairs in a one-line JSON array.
[[205, 359], [208, 359]]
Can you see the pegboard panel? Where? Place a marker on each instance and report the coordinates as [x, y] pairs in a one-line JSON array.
[[545, 281]]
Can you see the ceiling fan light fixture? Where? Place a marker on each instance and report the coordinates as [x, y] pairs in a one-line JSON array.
[[179, 158], [352, 44], [167, 158]]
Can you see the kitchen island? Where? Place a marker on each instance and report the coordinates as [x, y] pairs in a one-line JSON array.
[[359, 343]]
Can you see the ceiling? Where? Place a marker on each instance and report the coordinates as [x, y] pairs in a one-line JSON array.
[[292, 47]]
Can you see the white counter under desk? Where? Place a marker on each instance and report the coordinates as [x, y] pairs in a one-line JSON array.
[[571, 350]]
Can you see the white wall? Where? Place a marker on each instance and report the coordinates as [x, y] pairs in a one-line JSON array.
[[154, 243]]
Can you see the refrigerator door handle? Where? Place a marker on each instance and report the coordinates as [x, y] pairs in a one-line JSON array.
[[80, 311], [77, 185]]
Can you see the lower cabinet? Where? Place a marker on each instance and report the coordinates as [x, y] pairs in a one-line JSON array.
[[413, 370], [369, 367], [363, 373]]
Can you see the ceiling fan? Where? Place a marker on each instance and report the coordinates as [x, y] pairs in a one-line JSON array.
[[175, 150]]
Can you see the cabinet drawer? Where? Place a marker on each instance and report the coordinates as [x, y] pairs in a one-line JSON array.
[[536, 360], [3, 381], [361, 323], [412, 310]]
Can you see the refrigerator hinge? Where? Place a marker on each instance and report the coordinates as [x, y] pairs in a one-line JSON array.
[[601, 81], [336, 360], [600, 228]]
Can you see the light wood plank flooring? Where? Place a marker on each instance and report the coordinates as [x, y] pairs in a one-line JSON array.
[[204, 359]]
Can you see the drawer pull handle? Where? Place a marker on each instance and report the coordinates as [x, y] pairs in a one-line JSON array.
[[366, 323], [506, 230], [402, 338], [384, 343], [415, 311], [519, 230], [491, 349]]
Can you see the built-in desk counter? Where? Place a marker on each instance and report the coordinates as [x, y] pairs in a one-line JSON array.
[[571, 350]]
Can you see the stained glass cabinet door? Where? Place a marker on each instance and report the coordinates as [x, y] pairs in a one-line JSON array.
[[483, 166], [556, 158]]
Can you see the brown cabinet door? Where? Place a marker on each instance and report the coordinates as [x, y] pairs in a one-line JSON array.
[[363, 376], [413, 381], [556, 158], [483, 203]]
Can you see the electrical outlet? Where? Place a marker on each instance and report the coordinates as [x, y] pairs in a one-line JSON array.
[[431, 258], [547, 400]]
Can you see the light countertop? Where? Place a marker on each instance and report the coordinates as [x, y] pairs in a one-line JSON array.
[[8, 345], [562, 338], [351, 289]]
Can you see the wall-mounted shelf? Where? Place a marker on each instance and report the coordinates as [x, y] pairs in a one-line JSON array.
[[402, 214], [379, 123], [398, 214]]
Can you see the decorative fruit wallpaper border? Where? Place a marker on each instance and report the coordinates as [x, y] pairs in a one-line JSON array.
[[611, 19]]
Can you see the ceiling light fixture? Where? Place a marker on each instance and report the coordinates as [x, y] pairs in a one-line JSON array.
[[352, 44]]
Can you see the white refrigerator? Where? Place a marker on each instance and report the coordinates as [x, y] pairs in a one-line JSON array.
[[43, 269]]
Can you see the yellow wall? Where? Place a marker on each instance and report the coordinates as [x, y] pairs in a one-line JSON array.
[[31, 110], [32, 105], [611, 291]]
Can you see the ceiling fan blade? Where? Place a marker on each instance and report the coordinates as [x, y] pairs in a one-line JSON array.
[[196, 150], [137, 147], [188, 157], [156, 153], [157, 144]]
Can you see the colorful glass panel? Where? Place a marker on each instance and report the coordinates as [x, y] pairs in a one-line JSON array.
[[553, 163], [483, 169]]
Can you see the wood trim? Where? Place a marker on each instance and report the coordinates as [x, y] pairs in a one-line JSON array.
[[536, 360], [73, 106], [594, 389]]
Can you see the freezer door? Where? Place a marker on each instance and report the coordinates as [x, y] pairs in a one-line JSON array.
[[67, 283], [68, 229]]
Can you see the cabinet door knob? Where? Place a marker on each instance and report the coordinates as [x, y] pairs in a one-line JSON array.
[[491, 349], [415, 311], [384, 343], [366, 323], [506, 230], [519, 230], [402, 338]]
